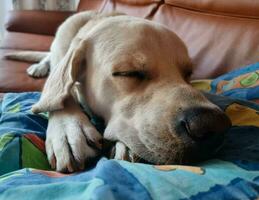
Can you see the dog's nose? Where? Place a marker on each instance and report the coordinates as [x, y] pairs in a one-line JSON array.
[[202, 123]]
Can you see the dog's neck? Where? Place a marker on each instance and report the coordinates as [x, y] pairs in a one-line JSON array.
[[97, 121]]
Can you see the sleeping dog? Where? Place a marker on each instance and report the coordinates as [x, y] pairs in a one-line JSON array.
[[134, 73]]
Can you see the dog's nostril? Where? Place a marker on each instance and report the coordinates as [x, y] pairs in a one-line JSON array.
[[184, 124], [202, 124], [196, 134]]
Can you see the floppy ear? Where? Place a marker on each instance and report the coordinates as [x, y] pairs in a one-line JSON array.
[[60, 81]]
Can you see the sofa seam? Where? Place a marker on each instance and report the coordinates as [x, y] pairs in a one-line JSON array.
[[213, 13]]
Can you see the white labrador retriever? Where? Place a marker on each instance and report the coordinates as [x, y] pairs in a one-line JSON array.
[[134, 74]]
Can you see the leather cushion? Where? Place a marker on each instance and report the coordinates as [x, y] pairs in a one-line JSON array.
[[242, 8], [26, 41], [37, 22], [143, 8], [90, 5], [216, 43], [13, 76]]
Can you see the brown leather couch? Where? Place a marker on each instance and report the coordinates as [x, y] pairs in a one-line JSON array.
[[220, 35]]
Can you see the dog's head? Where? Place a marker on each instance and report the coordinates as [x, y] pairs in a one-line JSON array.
[[136, 78]]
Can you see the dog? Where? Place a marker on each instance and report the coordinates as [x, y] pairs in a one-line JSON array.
[[135, 74]]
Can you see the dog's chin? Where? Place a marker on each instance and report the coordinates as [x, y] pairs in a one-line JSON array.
[[136, 158], [133, 157], [191, 156], [185, 160], [109, 151]]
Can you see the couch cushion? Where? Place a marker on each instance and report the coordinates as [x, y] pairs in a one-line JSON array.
[[90, 5], [143, 8], [245, 8], [26, 41], [13, 77], [216, 43], [37, 22]]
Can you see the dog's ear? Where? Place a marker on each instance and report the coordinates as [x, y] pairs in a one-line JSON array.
[[60, 81]]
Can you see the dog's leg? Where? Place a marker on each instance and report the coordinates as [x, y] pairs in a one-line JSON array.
[[71, 138], [40, 69], [121, 151]]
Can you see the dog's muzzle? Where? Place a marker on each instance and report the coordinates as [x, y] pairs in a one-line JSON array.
[[202, 130]]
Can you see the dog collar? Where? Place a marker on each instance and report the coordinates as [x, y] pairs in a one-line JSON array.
[[97, 121]]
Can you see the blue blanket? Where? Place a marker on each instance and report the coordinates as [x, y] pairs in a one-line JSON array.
[[232, 174]]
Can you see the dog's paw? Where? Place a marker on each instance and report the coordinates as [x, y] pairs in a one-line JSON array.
[[38, 70], [71, 142], [122, 152]]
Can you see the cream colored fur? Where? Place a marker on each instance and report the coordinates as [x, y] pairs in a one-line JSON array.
[[89, 48]]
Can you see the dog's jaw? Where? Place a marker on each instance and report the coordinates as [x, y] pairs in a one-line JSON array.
[[148, 130]]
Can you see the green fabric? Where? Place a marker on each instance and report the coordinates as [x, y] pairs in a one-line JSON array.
[[15, 108], [32, 156], [5, 139]]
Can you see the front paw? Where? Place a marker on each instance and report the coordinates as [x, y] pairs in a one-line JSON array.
[[71, 142]]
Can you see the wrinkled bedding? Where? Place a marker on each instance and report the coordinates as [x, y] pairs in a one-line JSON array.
[[232, 174]]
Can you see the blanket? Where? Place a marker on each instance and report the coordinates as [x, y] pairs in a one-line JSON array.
[[232, 174]]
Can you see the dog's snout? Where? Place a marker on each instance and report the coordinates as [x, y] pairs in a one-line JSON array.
[[203, 124]]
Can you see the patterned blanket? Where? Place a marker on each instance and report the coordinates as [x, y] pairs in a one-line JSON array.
[[232, 174]]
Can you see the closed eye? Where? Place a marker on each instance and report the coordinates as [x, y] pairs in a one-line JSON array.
[[131, 74]]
